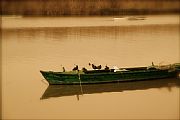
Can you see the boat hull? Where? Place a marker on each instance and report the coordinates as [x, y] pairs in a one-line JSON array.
[[59, 78]]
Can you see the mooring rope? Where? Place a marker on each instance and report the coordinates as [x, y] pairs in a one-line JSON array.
[[80, 82]]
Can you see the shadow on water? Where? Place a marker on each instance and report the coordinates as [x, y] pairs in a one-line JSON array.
[[71, 90]]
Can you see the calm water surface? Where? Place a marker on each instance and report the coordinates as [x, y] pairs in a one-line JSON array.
[[37, 45]]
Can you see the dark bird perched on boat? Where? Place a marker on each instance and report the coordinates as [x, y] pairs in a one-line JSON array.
[[152, 64], [106, 67], [98, 67], [152, 67], [93, 66], [63, 68], [75, 68], [84, 69]]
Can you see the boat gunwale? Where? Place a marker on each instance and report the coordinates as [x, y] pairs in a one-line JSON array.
[[103, 73]]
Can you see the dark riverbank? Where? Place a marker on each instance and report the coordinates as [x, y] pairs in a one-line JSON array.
[[88, 7]]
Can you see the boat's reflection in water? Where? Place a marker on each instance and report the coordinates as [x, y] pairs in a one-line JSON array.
[[70, 90]]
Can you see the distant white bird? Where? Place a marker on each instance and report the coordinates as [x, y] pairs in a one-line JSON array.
[[118, 18]]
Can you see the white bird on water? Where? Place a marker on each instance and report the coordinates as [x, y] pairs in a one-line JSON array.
[[117, 18]]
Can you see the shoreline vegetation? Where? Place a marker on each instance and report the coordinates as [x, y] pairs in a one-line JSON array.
[[88, 7]]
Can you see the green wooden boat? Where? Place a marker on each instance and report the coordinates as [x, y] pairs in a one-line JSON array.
[[111, 75]]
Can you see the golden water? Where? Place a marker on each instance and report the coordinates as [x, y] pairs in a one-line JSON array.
[[33, 44]]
